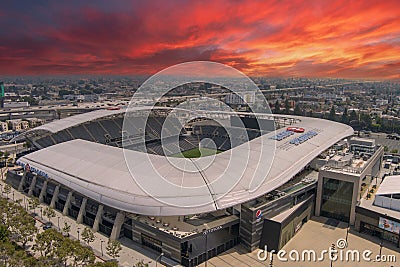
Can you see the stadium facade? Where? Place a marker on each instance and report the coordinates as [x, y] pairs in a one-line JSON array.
[[78, 167]]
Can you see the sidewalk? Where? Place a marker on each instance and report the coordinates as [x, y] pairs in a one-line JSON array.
[[130, 254]]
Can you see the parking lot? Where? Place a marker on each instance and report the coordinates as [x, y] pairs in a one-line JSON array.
[[380, 139]]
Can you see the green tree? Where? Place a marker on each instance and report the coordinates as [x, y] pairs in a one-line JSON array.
[[63, 92], [104, 264], [82, 255], [66, 229], [353, 116], [141, 263], [366, 120], [47, 242], [65, 251], [113, 248], [88, 235], [4, 233], [287, 106], [6, 251], [32, 101], [49, 213], [277, 108], [27, 144], [23, 226], [345, 116], [332, 113], [7, 190], [56, 249], [33, 203], [297, 110], [18, 258], [9, 209]]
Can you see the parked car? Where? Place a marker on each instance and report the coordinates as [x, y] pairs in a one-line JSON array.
[[47, 225]]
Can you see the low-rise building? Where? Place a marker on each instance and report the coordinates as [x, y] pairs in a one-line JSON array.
[[3, 126], [378, 212], [34, 122], [362, 145], [15, 104], [342, 181], [18, 124]]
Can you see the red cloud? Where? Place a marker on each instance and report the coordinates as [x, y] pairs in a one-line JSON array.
[[357, 39]]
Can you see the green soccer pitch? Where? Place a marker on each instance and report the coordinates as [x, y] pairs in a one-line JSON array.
[[197, 153]]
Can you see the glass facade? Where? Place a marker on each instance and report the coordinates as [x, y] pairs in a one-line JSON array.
[[336, 199]]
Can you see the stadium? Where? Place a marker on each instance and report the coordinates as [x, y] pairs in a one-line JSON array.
[[78, 166]]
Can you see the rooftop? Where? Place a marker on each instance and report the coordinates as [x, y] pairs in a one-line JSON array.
[[387, 185], [185, 226], [390, 185], [100, 172], [345, 161], [369, 204], [299, 182]]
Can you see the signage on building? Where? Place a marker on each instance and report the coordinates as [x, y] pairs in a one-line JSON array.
[[258, 215], [389, 225], [29, 168], [205, 232], [8, 136]]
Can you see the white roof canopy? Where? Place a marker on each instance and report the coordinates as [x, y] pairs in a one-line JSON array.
[[100, 172], [390, 185]]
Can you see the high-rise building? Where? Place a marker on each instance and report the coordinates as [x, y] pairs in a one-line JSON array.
[[2, 94]]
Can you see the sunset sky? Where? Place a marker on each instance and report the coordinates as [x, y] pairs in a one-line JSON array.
[[346, 39]]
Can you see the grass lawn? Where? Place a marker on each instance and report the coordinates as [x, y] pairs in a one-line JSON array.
[[197, 153]]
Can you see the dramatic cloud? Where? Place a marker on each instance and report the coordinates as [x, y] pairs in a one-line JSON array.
[[350, 39]]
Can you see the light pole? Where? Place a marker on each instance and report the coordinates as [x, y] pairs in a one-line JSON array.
[[159, 257], [332, 253], [58, 222], [13, 196], [347, 233], [41, 213], [78, 232], [205, 263], [101, 247], [380, 248], [271, 263]]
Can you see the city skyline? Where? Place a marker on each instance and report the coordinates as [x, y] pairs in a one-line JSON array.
[[311, 39]]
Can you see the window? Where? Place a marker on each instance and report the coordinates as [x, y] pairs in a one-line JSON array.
[[336, 199]]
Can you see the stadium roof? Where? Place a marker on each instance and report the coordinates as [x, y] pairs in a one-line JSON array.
[[390, 185], [68, 122], [100, 172], [59, 125]]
